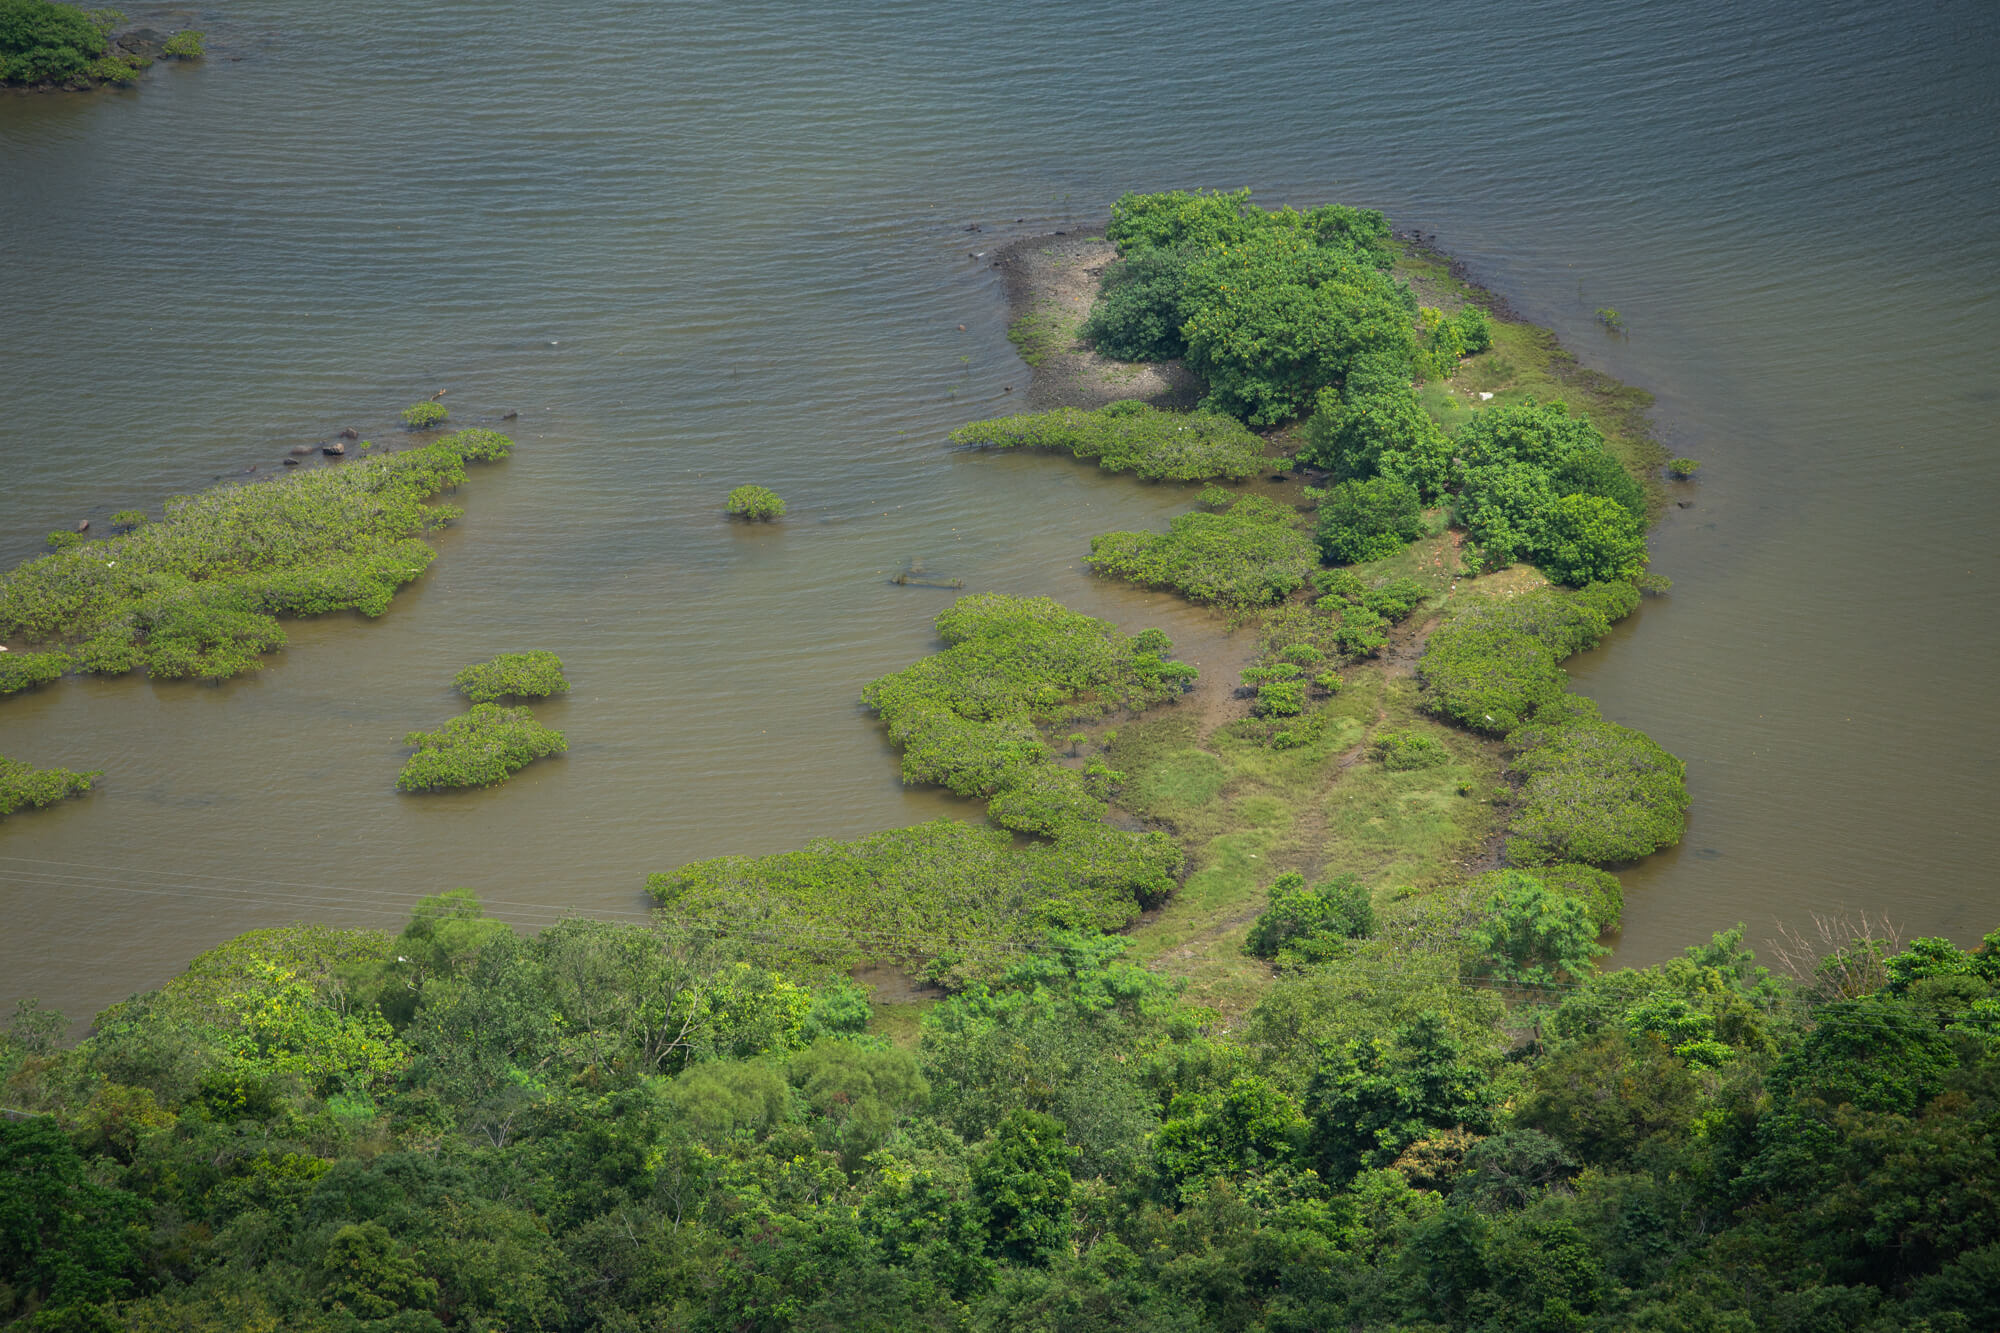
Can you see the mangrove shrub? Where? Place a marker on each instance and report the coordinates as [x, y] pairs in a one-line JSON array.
[[1367, 520], [530, 675], [755, 503], [1250, 554], [425, 416], [1131, 436], [1595, 792], [1386, 433], [478, 748], [24, 787], [199, 592]]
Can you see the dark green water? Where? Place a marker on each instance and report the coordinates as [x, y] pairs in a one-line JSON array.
[[700, 244]]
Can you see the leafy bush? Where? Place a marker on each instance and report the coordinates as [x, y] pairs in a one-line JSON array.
[[1250, 554], [62, 539], [1591, 539], [1532, 936], [425, 416], [1131, 436], [1303, 921], [941, 888], [477, 749], [1493, 666], [969, 718], [127, 519], [530, 675], [1366, 520], [1401, 751], [1361, 632], [1598, 890], [1683, 468], [1281, 698], [1394, 599], [23, 671], [1268, 307], [47, 43], [197, 593], [1386, 433], [1139, 311], [1516, 460], [1596, 792], [24, 787], [755, 503], [184, 45], [1278, 318]]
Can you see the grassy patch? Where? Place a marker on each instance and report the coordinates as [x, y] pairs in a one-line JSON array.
[[1043, 330]]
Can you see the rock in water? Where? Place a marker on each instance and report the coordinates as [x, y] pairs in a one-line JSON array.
[[336, 449]]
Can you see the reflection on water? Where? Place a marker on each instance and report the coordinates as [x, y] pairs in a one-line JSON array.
[[736, 253]]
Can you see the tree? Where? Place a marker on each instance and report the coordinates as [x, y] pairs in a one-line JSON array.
[[369, 1275], [1375, 1098], [1327, 912], [1533, 936], [1366, 520], [1023, 1182], [1591, 539], [1387, 434]]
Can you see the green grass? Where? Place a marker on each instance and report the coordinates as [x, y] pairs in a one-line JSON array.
[[1043, 330]]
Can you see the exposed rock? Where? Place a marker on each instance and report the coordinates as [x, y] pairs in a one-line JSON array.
[[301, 450], [291, 462], [83, 525], [350, 434], [336, 449], [509, 416]]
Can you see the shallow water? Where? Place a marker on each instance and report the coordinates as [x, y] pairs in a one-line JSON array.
[[705, 244]]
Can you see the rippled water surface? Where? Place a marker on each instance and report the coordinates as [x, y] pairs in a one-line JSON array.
[[697, 244]]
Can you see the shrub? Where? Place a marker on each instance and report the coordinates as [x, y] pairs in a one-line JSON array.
[[1366, 520], [24, 671], [1598, 890], [1360, 633], [1401, 751], [25, 787], [127, 519], [1332, 911], [1516, 460], [1275, 320], [1251, 554], [62, 539], [1683, 468], [1379, 434], [1591, 539], [1394, 599], [756, 503], [196, 593], [969, 718], [423, 416], [184, 45], [1532, 936], [1131, 436], [1281, 698], [941, 888], [530, 675], [46, 43], [477, 749], [1475, 329], [1268, 307], [1139, 310], [1492, 667], [1596, 792]]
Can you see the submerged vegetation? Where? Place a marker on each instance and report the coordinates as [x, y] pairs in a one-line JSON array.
[[530, 675], [485, 745], [1130, 436], [25, 787], [199, 592]]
